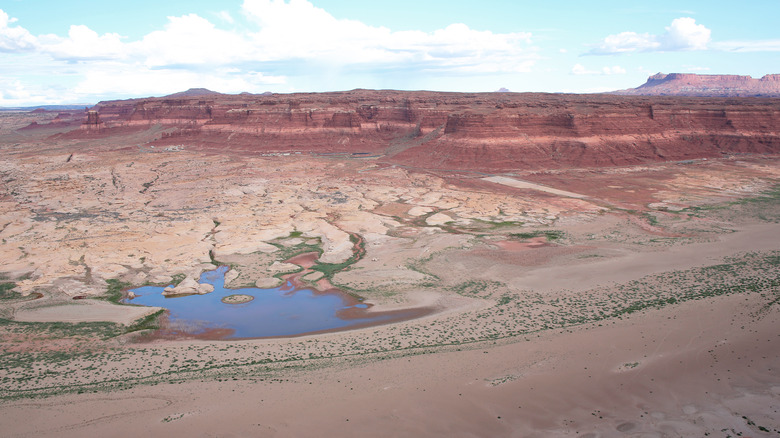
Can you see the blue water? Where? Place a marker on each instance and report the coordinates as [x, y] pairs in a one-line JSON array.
[[282, 311]]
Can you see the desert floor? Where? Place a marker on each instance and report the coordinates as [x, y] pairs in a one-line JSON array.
[[629, 301]]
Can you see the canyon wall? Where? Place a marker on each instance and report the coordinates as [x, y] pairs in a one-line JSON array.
[[482, 131]]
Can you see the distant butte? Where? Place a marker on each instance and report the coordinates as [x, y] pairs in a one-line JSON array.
[[684, 84], [193, 92]]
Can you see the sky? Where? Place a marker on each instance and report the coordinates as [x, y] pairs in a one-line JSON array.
[[85, 51]]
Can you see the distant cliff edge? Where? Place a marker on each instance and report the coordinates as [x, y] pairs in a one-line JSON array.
[[686, 84]]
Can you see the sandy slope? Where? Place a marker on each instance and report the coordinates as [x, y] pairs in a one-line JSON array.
[[681, 371]]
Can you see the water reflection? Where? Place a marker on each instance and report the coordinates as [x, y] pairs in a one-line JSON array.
[[282, 311]]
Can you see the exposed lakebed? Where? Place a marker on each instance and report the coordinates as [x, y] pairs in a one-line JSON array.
[[288, 310]]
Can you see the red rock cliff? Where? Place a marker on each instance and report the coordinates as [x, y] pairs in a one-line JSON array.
[[486, 131], [684, 84]]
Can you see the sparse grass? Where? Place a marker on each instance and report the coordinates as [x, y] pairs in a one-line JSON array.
[[765, 206], [177, 278], [149, 322], [514, 317], [498, 224], [550, 235], [473, 288], [100, 330], [6, 292], [331, 269], [286, 252], [114, 293], [651, 219]]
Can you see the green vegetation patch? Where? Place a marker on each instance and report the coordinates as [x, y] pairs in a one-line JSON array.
[[114, 293], [6, 292], [515, 316], [331, 269], [149, 322], [287, 252], [177, 278], [550, 235], [101, 330], [765, 206], [474, 288]]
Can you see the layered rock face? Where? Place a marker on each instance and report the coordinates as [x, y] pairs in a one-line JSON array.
[[683, 84], [484, 131]]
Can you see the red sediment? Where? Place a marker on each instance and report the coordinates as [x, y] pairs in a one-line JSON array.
[[306, 260], [514, 245]]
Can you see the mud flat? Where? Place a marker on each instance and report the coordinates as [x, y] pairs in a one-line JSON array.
[[85, 311], [689, 370]]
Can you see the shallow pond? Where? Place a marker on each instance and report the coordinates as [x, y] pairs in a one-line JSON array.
[[282, 311]]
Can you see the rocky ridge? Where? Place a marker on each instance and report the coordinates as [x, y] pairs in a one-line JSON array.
[[460, 131], [686, 84]]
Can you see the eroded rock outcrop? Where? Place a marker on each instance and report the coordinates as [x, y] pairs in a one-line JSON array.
[[485, 131], [189, 286]]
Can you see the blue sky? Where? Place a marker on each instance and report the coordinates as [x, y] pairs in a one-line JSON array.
[[87, 51]]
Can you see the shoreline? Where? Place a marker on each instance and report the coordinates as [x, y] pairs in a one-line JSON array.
[[525, 394]]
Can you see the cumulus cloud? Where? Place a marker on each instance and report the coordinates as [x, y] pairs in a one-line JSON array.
[[279, 39], [286, 30], [189, 40], [225, 16], [83, 43], [579, 69], [298, 29], [14, 38], [682, 34], [685, 34]]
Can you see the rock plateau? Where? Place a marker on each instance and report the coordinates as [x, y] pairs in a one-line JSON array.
[[686, 84], [457, 131]]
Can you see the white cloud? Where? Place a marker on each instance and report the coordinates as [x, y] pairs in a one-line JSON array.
[[284, 38], [14, 38], [627, 42], [83, 43], [748, 46], [297, 29], [115, 79], [225, 16], [292, 30], [190, 40], [685, 34], [614, 70], [579, 69], [682, 34], [14, 92]]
